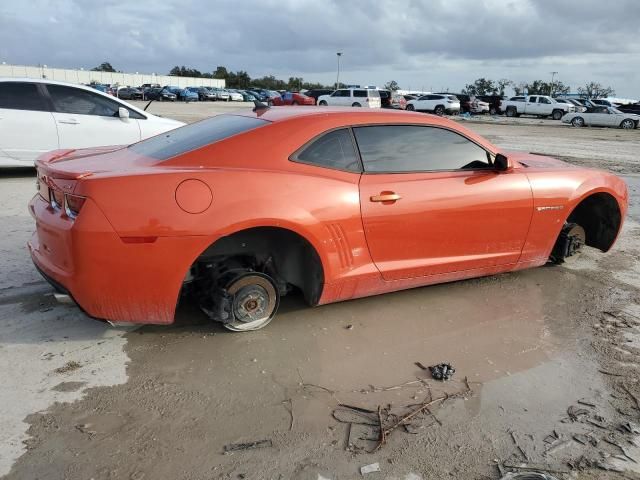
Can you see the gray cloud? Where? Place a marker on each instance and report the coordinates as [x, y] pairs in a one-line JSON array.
[[442, 42]]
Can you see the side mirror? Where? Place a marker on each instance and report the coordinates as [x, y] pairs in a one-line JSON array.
[[502, 163], [123, 113]]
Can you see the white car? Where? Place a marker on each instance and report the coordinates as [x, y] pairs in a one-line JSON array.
[[601, 116], [37, 116], [221, 94], [352, 97], [235, 96], [436, 103]]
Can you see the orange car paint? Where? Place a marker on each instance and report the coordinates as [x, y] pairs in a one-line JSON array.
[[124, 258]]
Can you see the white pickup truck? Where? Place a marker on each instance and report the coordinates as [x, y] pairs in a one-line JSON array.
[[538, 105]]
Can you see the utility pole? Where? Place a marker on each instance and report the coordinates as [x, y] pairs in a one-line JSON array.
[[339, 54], [553, 74]]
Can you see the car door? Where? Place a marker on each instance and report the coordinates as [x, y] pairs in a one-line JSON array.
[[610, 118], [544, 106], [423, 103], [27, 127], [88, 119], [334, 98], [432, 203], [344, 98], [531, 106]]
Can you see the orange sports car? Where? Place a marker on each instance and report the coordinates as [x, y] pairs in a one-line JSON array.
[[237, 210]]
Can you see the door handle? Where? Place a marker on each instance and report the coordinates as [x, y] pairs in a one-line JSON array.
[[385, 197], [69, 122]]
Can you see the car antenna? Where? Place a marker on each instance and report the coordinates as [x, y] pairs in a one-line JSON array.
[[259, 106], [147, 106]]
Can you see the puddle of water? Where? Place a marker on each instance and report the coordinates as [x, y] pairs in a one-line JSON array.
[[497, 331]]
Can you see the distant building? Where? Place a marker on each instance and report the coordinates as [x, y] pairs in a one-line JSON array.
[[108, 78]]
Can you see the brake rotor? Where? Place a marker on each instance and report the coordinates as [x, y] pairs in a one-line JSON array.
[[576, 238], [255, 302]]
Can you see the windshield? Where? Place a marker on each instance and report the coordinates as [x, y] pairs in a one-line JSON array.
[[195, 135]]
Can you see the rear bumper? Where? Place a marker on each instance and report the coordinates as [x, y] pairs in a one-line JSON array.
[[108, 278]]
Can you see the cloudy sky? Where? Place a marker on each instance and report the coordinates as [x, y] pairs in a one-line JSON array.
[[428, 44]]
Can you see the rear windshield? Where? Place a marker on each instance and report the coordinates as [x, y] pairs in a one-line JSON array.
[[196, 135]]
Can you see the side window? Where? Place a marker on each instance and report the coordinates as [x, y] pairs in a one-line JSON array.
[[533, 99], [359, 93], [21, 96], [342, 93], [75, 100], [406, 148], [332, 150], [545, 100]]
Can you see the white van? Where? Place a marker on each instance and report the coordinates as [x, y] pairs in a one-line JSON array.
[[352, 97]]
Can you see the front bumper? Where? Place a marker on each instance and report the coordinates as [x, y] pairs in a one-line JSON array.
[[108, 278]]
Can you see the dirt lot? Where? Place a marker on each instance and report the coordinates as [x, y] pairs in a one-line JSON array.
[[550, 357]]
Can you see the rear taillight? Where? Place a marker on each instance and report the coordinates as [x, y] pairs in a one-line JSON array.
[[56, 197], [73, 204]]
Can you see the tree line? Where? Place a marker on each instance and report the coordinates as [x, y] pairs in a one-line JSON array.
[[481, 86], [241, 79], [484, 86]]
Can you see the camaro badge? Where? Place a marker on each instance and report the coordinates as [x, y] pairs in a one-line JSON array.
[[550, 207]]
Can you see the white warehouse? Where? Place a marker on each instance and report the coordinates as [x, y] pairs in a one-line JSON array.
[[117, 78]]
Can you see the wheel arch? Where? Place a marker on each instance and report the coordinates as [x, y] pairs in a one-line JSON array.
[[600, 214], [295, 253]]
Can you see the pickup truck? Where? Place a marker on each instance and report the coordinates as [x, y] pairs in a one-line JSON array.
[[538, 105]]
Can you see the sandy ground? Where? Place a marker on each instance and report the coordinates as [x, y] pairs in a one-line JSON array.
[[550, 358]]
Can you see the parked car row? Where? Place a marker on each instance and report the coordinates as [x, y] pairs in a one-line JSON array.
[[171, 93]]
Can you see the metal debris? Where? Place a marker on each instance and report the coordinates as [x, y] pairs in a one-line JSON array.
[[235, 447], [376, 425], [374, 467], [442, 371]]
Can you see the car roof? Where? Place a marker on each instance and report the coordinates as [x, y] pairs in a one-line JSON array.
[[343, 116]]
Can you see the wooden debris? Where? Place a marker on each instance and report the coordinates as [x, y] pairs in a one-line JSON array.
[[236, 447]]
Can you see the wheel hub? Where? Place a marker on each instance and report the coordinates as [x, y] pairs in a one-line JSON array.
[[250, 304], [254, 304]]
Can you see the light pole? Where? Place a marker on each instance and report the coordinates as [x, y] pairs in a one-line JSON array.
[[553, 74], [339, 54]]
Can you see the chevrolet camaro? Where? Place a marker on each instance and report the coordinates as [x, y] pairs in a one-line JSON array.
[[236, 211]]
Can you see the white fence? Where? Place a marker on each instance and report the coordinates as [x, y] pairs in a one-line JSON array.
[[88, 76]]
